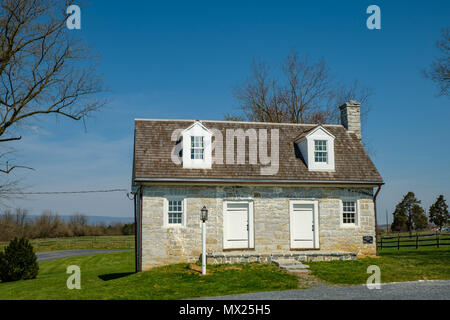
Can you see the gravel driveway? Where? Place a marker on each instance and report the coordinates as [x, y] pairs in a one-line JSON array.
[[53, 255], [417, 290]]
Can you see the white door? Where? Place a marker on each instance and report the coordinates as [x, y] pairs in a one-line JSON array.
[[302, 225], [237, 225]]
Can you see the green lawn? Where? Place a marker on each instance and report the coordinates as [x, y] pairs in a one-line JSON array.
[[110, 276], [426, 263], [88, 242]]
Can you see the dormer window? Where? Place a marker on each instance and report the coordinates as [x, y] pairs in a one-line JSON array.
[[320, 151], [197, 148], [317, 148]]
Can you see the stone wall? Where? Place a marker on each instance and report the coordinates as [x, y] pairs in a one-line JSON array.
[[161, 245]]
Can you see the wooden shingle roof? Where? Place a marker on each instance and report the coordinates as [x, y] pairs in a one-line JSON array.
[[154, 146]]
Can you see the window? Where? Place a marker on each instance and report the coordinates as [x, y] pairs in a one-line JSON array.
[[175, 212], [349, 212], [197, 147], [320, 151], [317, 149]]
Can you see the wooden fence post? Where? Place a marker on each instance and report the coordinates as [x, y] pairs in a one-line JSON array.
[[381, 243], [417, 241], [398, 242]]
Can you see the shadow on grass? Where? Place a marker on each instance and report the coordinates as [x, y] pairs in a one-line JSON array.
[[113, 276]]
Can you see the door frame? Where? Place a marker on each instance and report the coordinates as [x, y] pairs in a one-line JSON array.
[[251, 233], [315, 205]]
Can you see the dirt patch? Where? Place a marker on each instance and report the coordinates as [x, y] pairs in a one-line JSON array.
[[307, 280], [198, 269]]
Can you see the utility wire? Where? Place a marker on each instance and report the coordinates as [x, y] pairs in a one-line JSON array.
[[64, 192]]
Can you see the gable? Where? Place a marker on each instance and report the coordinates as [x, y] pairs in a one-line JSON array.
[[318, 131], [197, 128]]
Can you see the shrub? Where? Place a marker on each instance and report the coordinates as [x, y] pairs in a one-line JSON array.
[[18, 261]]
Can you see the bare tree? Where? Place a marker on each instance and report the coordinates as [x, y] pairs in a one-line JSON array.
[[78, 224], [9, 188], [79, 220], [44, 68], [352, 91], [306, 93], [439, 70]]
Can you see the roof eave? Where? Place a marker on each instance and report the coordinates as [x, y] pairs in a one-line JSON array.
[[255, 181]]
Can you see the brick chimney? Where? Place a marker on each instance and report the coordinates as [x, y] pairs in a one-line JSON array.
[[351, 117]]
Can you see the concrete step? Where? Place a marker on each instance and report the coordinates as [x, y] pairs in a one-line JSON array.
[[285, 262], [291, 265], [294, 266], [297, 270]]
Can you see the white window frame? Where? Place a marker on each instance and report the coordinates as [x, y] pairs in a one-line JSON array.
[[166, 223], [322, 151], [357, 213], [194, 147], [251, 231]]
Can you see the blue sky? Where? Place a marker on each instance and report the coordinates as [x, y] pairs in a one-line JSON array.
[[181, 60]]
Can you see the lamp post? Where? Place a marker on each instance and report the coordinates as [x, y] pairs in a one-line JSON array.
[[204, 217]]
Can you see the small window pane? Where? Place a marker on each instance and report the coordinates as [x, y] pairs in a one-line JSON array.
[[197, 147], [320, 151], [175, 212], [320, 157], [320, 145], [349, 212]]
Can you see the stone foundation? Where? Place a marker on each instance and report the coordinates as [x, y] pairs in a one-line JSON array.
[[313, 255]]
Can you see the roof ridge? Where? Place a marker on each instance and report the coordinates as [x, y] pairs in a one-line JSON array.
[[244, 122]]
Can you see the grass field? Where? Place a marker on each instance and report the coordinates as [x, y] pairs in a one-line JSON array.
[[428, 263], [110, 276], [97, 242]]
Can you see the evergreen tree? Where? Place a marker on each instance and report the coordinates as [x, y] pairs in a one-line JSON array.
[[439, 212], [419, 218], [18, 261], [399, 223], [404, 212]]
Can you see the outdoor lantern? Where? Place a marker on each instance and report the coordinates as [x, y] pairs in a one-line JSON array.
[[204, 215]]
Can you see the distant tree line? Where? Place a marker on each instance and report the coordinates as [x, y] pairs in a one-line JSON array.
[[409, 215], [18, 223]]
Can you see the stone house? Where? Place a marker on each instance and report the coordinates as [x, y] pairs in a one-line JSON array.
[[272, 190]]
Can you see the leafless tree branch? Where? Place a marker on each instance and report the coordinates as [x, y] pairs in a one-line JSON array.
[[306, 93], [44, 68], [439, 70]]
